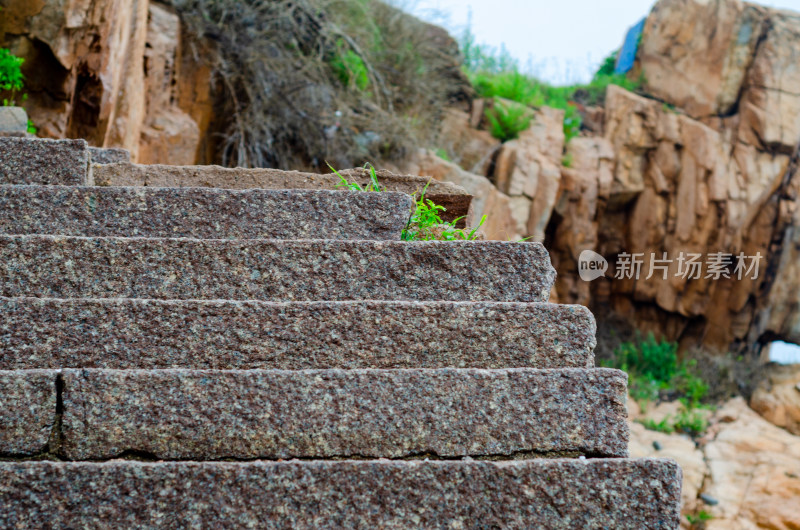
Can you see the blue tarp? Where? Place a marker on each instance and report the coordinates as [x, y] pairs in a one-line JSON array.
[[627, 53]]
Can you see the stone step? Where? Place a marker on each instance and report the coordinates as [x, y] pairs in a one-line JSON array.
[[202, 213], [38, 161], [28, 403], [124, 333], [554, 494], [274, 270], [246, 414], [454, 199]]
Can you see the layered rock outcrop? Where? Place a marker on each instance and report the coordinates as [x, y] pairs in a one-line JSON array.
[[705, 164], [107, 71]]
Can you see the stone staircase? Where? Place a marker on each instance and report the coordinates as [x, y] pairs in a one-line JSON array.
[[251, 358]]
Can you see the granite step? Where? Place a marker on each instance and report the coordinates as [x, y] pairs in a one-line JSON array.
[[271, 414], [229, 334], [38, 161], [273, 270], [28, 406], [202, 213], [455, 199], [554, 494]]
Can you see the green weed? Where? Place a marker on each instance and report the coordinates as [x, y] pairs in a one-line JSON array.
[[699, 518], [11, 78], [425, 223], [373, 184], [506, 121], [662, 426], [566, 160], [654, 368], [349, 67]]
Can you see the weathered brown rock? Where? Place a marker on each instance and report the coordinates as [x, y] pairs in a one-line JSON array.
[[753, 471], [777, 397], [695, 54], [35, 161], [202, 213], [244, 335], [168, 134], [27, 411], [625, 494], [472, 148], [452, 197], [84, 66], [208, 415], [274, 270], [770, 103]]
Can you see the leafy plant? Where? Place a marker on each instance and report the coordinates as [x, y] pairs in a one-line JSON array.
[[425, 223], [572, 122], [507, 121], [349, 67], [698, 518], [690, 421], [654, 368], [662, 426], [373, 184], [11, 78], [567, 160]]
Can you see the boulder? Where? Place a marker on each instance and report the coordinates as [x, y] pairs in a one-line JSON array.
[[777, 397], [695, 54], [13, 121]]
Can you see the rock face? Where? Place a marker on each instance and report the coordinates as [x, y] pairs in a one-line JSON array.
[[105, 71], [707, 167]]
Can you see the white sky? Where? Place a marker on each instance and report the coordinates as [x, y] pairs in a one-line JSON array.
[[565, 40], [784, 353]]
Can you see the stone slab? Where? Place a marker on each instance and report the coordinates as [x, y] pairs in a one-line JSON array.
[[454, 198], [553, 494], [123, 333], [40, 161], [244, 414], [109, 155], [27, 411], [274, 270], [202, 213], [13, 120]]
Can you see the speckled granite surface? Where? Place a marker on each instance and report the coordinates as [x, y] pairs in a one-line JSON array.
[[553, 494], [454, 198], [69, 267], [38, 161], [209, 415], [109, 155], [202, 213], [123, 333], [27, 411]]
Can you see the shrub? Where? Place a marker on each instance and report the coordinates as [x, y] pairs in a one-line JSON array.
[[507, 121], [11, 78], [654, 369], [304, 81], [349, 67]]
